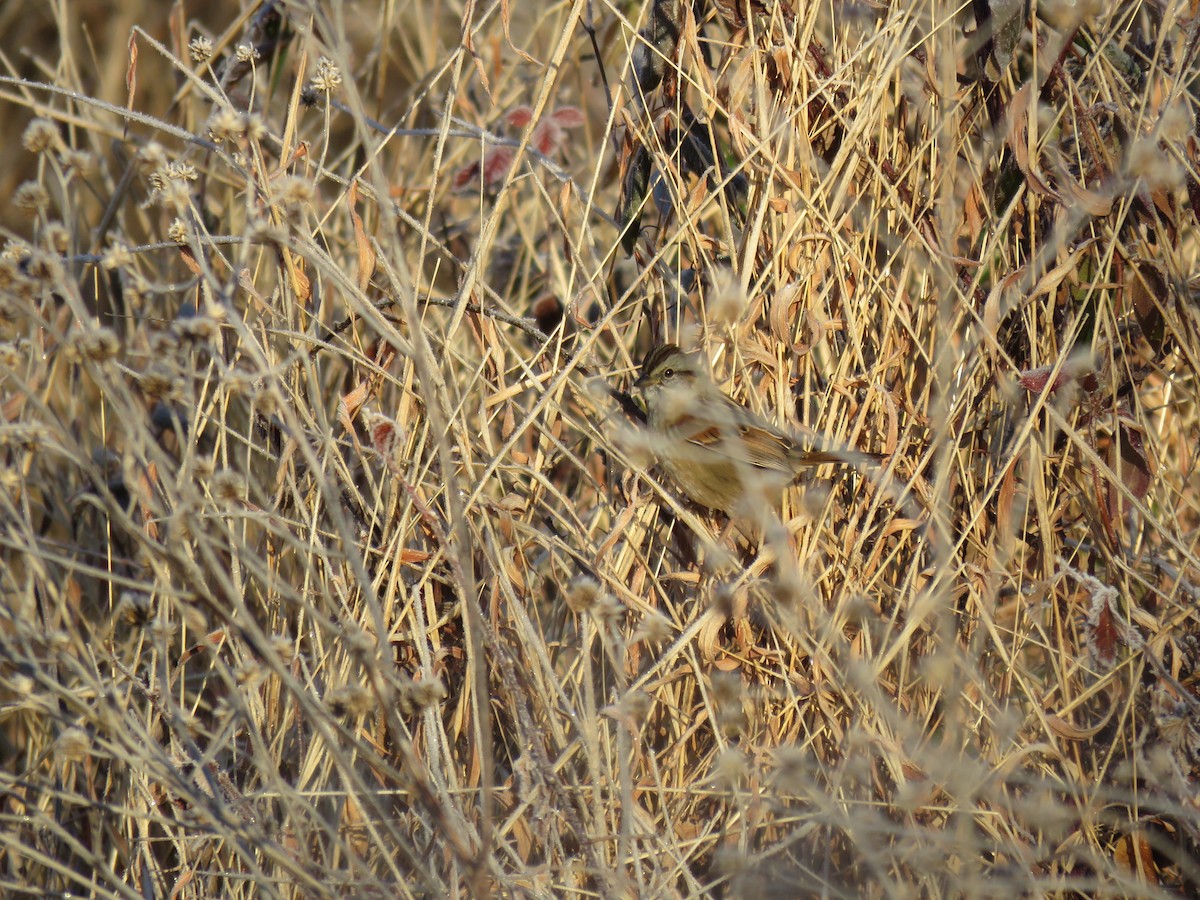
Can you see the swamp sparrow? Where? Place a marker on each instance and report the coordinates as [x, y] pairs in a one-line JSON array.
[[720, 453]]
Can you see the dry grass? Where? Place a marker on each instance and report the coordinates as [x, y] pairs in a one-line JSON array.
[[330, 566]]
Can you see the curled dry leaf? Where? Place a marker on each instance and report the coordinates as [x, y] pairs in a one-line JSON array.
[[350, 403], [1077, 370], [780, 313], [1131, 462], [1018, 141], [1148, 292], [366, 253], [1093, 202]]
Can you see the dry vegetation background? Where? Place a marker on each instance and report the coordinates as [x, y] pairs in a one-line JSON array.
[[330, 562]]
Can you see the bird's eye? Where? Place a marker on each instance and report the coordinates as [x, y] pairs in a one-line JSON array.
[[668, 373]]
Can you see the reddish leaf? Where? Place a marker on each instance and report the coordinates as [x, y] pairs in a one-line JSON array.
[[383, 436], [386, 439], [189, 260], [1035, 380], [496, 165], [520, 117], [465, 177], [1103, 631], [547, 137], [567, 117]]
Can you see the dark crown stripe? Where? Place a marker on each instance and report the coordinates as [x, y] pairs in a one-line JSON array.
[[656, 356]]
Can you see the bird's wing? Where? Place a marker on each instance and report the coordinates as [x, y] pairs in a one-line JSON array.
[[738, 440]]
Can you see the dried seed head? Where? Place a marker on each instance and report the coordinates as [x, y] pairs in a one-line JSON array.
[[250, 674], [133, 609], [226, 125], [181, 525], [350, 700], [635, 706], [96, 345], [10, 277], [283, 646], [242, 382], [727, 693], [228, 486], [177, 232], [152, 157], [31, 199], [58, 640], [160, 379], [1177, 122], [72, 745], [582, 594], [41, 136], [654, 628], [204, 468], [56, 238], [198, 328], [255, 126], [29, 437], [164, 343], [794, 773], [78, 162], [425, 693], [162, 629], [200, 48], [292, 191], [15, 251], [265, 398], [728, 301], [327, 77], [45, 268], [607, 609], [1149, 160], [730, 768], [358, 641], [262, 230]]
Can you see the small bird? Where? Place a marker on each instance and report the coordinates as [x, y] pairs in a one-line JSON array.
[[721, 454]]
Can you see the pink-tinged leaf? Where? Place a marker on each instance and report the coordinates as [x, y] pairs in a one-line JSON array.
[[520, 117], [386, 440], [547, 137], [568, 117], [1035, 380], [465, 177], [383, 436], [1103, 631], [496, 165]]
